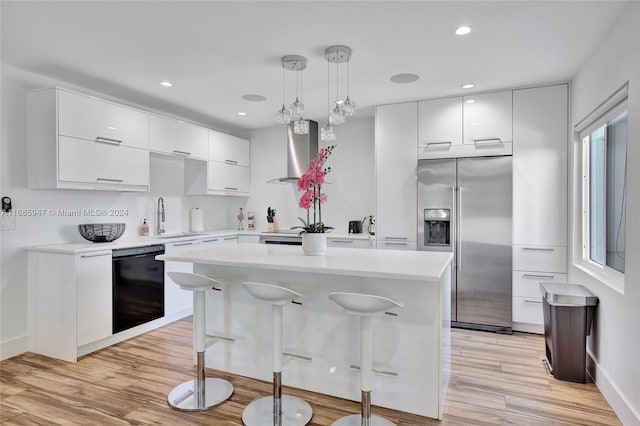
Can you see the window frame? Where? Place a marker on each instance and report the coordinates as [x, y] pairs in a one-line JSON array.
[[606, 274]]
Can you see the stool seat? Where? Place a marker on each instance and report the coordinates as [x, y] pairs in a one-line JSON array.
[[364, 304], [193, 282], [202, 392], [274, 294]]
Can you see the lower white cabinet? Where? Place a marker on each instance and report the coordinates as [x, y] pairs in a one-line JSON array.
[[93, 280], [177, 300], [70, 303], [350, 243], [540, 258]]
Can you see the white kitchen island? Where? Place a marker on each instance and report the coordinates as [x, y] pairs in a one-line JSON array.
[[411, 345]]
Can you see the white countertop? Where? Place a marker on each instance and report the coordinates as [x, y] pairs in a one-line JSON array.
[[87, 246], [395, 264]]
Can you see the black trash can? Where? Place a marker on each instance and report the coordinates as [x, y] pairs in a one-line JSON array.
[[568, 313]]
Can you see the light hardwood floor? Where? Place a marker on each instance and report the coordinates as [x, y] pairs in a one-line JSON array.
[[496, 379]]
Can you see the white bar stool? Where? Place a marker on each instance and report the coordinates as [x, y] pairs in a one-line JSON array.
[[201, 393], [276, 410], [365, 306]]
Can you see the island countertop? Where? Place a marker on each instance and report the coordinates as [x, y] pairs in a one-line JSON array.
[[395, 264]]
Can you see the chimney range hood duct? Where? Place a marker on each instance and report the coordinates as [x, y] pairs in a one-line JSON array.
[[300, 150]]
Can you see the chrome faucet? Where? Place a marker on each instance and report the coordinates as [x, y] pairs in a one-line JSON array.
[[160, 217]]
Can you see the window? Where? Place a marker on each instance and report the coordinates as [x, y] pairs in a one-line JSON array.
[[604, 146]]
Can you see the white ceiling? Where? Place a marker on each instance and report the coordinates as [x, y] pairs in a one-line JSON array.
[[215, 52]]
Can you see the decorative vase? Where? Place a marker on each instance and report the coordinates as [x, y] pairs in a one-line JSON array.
[[314, 244]]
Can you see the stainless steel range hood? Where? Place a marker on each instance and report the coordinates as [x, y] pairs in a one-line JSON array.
[[300, 150]]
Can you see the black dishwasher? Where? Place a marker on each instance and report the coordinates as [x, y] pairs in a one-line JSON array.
[[138, 286]]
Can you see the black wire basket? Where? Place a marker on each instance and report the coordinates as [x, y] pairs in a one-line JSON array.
[[101, 232]]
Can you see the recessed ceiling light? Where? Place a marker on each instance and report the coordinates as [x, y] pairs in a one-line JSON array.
[[468, 85], [111, 127], [475, 124], [470, 101], [166, 83], [404, 78], [254, 98], [463, 30], [242, 113]]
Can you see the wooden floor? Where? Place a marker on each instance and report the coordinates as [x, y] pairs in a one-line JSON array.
[[496, 379]]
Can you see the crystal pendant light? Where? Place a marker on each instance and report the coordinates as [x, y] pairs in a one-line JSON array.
[[343, 108], [348, 107], [296, 110], [283, 116], [327, 134]]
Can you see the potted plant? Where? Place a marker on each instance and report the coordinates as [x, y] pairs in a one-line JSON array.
[[314, 241]]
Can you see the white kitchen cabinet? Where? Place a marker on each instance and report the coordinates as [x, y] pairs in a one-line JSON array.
[[228, 149], [174, 137], [67, 150], [216, 178], [211, 242], [90, 118], [440, 123], [396, 135], [248, 239], [176, 300], [350, 243], [540, 166], [488, 118], [93, 281], [540, 258], [96, 163], [230, 240]]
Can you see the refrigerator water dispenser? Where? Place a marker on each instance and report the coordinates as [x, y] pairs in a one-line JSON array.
[[437, 230]]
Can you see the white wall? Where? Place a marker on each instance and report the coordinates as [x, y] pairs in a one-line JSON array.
[[166, 181], [351, 193], [615, 343]]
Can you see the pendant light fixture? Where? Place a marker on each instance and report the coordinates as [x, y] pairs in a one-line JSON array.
[[327, 133], [295, 112], [343, 108]]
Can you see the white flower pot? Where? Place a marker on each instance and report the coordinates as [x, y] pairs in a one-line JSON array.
[[314, 244]]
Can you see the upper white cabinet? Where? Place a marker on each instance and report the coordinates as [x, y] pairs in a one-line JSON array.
[[396, 136], [540, 166], [80, 142], [228, 179], [85, 117], [488, 118], [440, 123], [228, 149], [175, 137]]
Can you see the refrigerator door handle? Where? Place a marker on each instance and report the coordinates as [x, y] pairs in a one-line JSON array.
[[459, 231], [454, 231]]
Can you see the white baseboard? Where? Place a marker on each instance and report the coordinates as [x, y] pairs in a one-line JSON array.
[[528, 328], [14, 347], [627, 414]]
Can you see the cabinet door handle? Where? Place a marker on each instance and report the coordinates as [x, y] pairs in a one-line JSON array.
[[230, 162], [181, 152], [210, 241], [532, 301], [396, 244], [230, 188], [488, 141], [85, 256], [109, 180], [396, 238], [537, 249], [108, 141], [379, 372], [448, 143], [230, 238], [538, 276], [190, 243], [342, 241]]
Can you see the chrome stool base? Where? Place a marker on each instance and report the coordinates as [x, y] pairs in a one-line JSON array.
[[294, 412], [184, 396], [356, 420]]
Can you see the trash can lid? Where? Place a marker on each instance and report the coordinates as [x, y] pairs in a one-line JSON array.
[[561, 294]]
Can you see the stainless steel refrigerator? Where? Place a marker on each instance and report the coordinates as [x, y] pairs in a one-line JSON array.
[[464, 207]]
